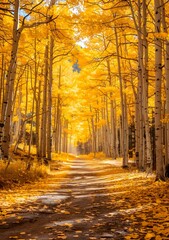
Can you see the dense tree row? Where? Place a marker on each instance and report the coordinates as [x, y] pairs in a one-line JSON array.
[[93, 72]]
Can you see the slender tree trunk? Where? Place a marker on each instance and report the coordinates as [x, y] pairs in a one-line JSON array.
[[26, 108], [58, 114], [7, 103], [123, 118], [165, 29], [112, 117], [3, 70], [167, 101], [145, 89], [93, 135], [49, 124], [2, 77], [158, 105], [32, 120], [37, 100], [44, 107]]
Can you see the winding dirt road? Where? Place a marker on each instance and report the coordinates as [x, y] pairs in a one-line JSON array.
[[81, 201]]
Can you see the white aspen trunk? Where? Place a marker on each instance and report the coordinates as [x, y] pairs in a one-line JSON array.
[[37, 95], [123, 117], [158, 105], [148, 148], [16, 131], [38, 107], [96, 131], [167, 101], [7, 103], [135, 120], [93, 135], [126, 124], [31, 130], [26, 108], [58, 114], [113, 130], [49, 124], [140, 91], [54, 127], [60, 135], [65, 137], [44, 108], [3, 72], [165, 29], [49, 97], [104, 133], [112, 137]]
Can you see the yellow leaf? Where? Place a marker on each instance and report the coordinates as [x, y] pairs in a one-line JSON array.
[[143, 216], [158, 237], [158, 228], [165, 231], [149, 236], [144, 224], [161, 215], [135, 235], [127, 237], [158, 200]]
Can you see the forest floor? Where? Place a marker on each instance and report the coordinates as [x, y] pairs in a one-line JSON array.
[[87, 199]]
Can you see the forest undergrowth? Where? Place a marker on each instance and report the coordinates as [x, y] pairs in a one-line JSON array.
[[24, 169], [17, 173]]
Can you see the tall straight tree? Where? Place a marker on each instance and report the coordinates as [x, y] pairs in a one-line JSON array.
[[44, 105], [165, 29], [123, 111], [7, 103], [158, 82], [145, 80]]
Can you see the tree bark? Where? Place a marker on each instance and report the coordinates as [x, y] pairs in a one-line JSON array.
[[158, 105], [123, 116], [44, 108], [7, 103]]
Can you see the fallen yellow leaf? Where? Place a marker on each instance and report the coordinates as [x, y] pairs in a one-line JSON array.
[[149, 236], [158, 237]]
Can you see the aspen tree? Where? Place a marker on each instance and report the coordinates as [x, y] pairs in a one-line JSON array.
[[148, 161], [49, 121], [165, 29], [124, 140], [44, 106], [37, 95], [158, 82], [112, 112], [49, 97], [7, 102], [58, 114]]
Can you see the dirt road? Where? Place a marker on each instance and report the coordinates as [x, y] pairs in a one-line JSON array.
[[81, 201]]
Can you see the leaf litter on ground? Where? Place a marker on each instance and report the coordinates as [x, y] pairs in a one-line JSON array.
[[142, 202]]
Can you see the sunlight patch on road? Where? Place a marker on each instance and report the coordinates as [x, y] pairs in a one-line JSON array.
[[128, 211], [68, 223], [52, 198]]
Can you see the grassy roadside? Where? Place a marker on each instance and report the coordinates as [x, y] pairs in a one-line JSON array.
[[18, 173]]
